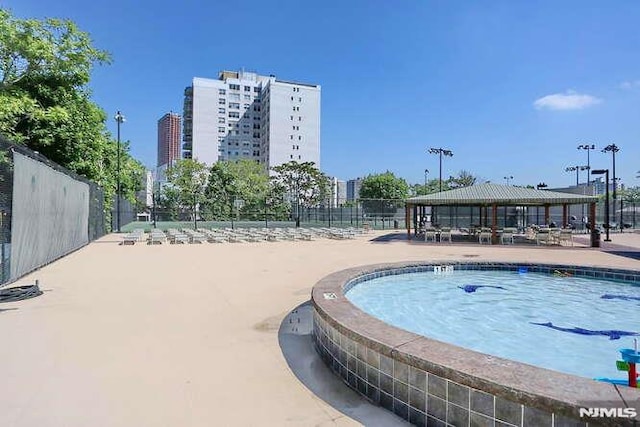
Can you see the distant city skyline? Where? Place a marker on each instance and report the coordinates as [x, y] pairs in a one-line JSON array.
[[510, 88]]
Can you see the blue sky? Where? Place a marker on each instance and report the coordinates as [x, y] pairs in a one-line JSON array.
[[512, 88]]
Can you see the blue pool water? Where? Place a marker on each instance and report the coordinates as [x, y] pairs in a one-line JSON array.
[[498, 317]]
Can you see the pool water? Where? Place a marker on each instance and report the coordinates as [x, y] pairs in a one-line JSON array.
[[498, 318]]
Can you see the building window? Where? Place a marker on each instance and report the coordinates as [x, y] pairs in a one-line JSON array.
[[299, 99], [222, 91], [234, 87], [220, 119], [299, 118], [234, 97], [256, 134], [299, 138], [247, 97], [256, 89], [256, 117], [222, 101], [291, 117], [256, 108], [256, 125], [246, 106], [221, 110], [234, 114], [234, 105], [247, 88], [221, 130]]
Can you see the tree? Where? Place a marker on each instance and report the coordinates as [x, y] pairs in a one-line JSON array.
[[188, 179], [45, 68], [433, 186], [301, 183], [237, 179], [463, 179], [383, 193]]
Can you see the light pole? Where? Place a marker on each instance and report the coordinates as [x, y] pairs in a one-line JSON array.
[[613, 149], [606, 206], [426, 173], [587, 147], [577, 169], [441, 151], [508, 178], [119, 120]]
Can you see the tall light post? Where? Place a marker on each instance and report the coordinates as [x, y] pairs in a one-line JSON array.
[[588, 148], [426, 173], [577, 169], [508, 178], [441, 151], [606, 206], [613, 149], [119, 118]]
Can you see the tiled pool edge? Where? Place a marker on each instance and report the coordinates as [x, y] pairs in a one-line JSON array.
[[429, 382]]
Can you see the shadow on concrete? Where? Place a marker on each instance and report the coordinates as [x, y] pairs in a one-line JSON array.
[[627, 254], [391, 237], [296, 342]]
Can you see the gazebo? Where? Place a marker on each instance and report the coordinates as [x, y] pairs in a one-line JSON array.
[[489, 197]]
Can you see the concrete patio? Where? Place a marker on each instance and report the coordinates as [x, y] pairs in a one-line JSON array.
[[192, 335]]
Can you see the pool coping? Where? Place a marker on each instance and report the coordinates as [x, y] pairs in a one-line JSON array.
[[536, 387]]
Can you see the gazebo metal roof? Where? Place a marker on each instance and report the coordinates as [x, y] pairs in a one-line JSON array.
[[502, 195]]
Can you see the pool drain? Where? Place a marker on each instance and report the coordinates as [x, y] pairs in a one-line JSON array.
[[18, 293]]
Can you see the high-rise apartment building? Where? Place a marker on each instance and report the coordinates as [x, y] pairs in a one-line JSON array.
[[353, 189], [169, 138], [243, 115]]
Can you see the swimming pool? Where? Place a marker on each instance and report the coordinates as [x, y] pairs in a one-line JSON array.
[[559, 321], [428, 381]]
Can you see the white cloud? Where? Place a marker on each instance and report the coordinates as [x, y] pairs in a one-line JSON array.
[[569, 100], [630, 84]]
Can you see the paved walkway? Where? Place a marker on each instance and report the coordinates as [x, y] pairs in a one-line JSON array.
[[187, 335]]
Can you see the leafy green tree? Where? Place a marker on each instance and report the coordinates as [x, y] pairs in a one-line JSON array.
[[301, 184], [187, 180], [463, 179], [45, 69], [237, 179], [433, 186], [382, 194]]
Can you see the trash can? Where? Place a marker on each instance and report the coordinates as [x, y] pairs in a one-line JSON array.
[[395, 224], [595, 238]]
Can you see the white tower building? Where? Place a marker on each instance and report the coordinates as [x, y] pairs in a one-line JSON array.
[[243, 115]]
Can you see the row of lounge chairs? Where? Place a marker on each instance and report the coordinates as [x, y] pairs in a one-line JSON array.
[[239, 235]]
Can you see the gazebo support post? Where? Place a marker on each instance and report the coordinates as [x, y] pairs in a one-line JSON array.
[[592, 221], [494, 224], [565, 215], [407, 221], [546, 214]]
